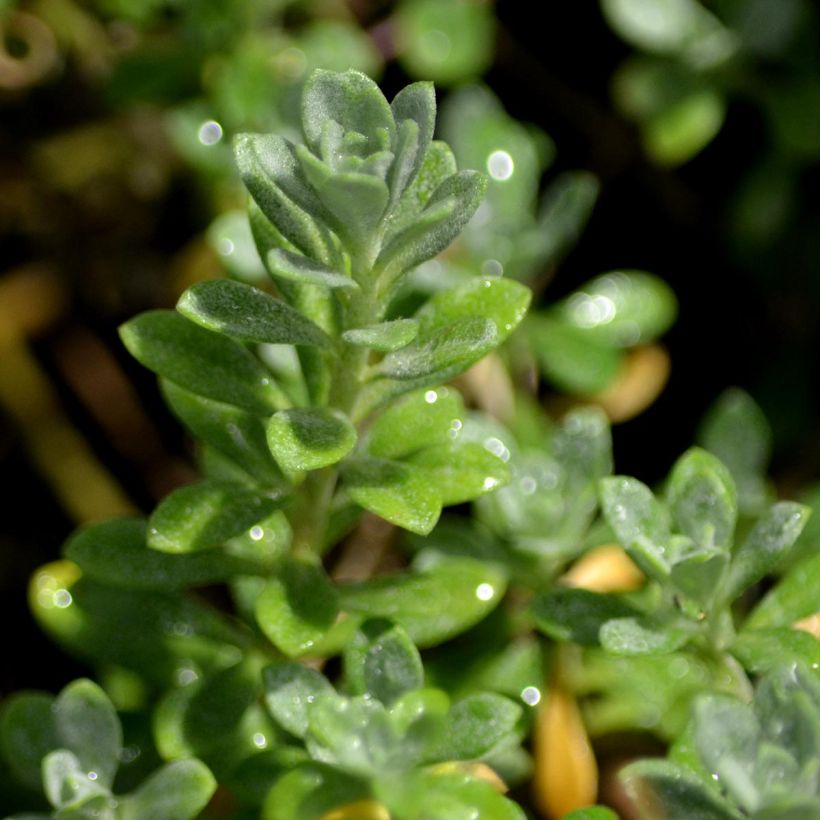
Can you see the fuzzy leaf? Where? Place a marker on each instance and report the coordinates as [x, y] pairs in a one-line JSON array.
[[290, 688], [761, 650], [793, 598], [636, 636], [248, 314], [639, 522], [384, 337], [206, 363], [434, 604], [478, 723], [27, 734], [415, 103], [358, 202], [394, 491], [68, 786], [765, 546], [420, 419], [461, 472], [297, 608], [310, 792], [310, 438], [703, 499], [177, 791], [297, 268], [116, 553]]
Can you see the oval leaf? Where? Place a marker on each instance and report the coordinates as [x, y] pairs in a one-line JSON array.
[[310, 438], [290, 688], [177, 791], [384, 337]]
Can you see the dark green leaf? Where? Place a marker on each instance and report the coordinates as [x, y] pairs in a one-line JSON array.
[[395, 491], [206, 363], [177, 791], [297, 608], [384, 337], [310, 438], [116, 553], [434, 604], [290, 688], [577, 615], [297, 268], [248, 314], [794, 597], [765, 546], [205, 515], [478, 723], [27, 734]]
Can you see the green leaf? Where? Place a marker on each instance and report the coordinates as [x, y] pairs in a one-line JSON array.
[[443, 353], [297, 608], [273, 176], [205, 515], [639, 523], [621, 308], [434, 604], [698, 573], [420, 719], [659, 788], [477, 724], [637, 636], [310, 438], [235, 433], [68, 786], [591, 813], [793, 598], [290, 688], [350, 99], [570, 359], [461, 472], [737, 432], [577, 615], [397, 492], [382, 662], [206, 363], [88, 726], [703, 500], [248, 314], [311, 791], [416, 103], [177, 791], [445, 214], [27, 734], [297, 268], [116, 553], [384, 337], [420, 419], [765, 546], [761, 650]]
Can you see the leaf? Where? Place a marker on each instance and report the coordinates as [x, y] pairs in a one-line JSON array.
[[27, 734], [765, 546], [66, 785], [639, 523], [116, 553], [311, 791], [416, 103], [591, 813], [178, 791], [204, 515], [384, 337], [700, 573], [761, 650], [297, 608], [444, 353], [433, 605], [310, 438], [445, 214], [397, 492], [638, 636], [703, 500], [418, 420], [272, 174], [659, 788], [621, 308], [477, 724], [382, 662], [358, 201], [577, 615], [503, 301], [248, 314], [351, 99], [793, 598], [206, 363], [290, 688], [88, 726], [461, 472], [297, 268], [570, 359]]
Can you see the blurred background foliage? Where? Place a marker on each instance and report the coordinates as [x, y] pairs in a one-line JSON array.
[[669, 136]]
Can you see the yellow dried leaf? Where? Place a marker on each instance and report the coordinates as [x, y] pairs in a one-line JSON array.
[[604, 569]]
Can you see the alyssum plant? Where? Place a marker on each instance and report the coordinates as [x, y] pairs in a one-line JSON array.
[[324, 398]]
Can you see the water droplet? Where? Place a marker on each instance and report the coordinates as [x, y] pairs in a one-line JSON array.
[[500, 165], [484, 592], [492, 267], [225, 246], [62, 598], [186, 675], [129, 754], [530, 695], [528, 485], [260, 741], [92, 775], [489, 482], [210, 132], [431, 397], [257, 533]]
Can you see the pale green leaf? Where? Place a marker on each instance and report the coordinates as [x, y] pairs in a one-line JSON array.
[[177, 791], [297, 268], [384, 337], [290, 688]]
